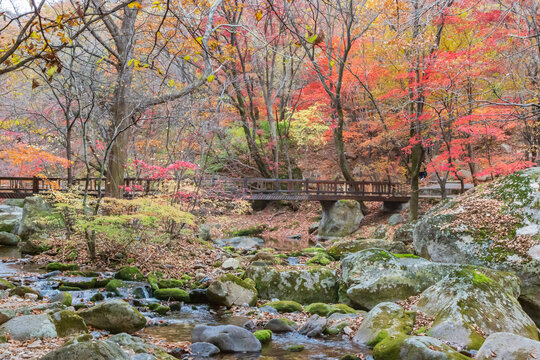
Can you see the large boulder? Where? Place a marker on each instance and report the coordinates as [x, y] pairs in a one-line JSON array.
[[306, 286], [507, 346], [139, 346], [29, 327], [340, 218], [374, 276], [230, 290], [496, 225], [88, 350], [468, 304], [384, 320], [34, 211], [115, 316], [8, 221], [425, 347], [240, 242], [228, 338], [9, 239], [343, 247]]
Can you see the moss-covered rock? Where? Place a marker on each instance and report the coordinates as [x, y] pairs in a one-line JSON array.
[[69, 288], [9, 239], [35, 212], [321, 259], [341, 309], [53, 266], [281, 325], [425, 347], [171, 283], [114, 285], [507, 346], [389, 347], [374, 276], [250, 231], [97, 297], [114, 316], [285, 306], [5, 285], [172, 294], [384, 320], [320, 309], [496, 225], [264, 336], [343, 247], [129, 273], [469, 303], [68, 323], [62, 297], [21, 290], [230, 290], [139, 346], [305, 286], [102, 350], [162, 309], [81, 283]]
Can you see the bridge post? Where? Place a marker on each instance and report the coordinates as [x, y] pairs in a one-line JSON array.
[[35, 185]]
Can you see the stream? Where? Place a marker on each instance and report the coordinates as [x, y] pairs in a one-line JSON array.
[[177, 325]]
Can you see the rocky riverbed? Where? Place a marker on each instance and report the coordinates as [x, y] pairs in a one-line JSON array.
[[462, 283]]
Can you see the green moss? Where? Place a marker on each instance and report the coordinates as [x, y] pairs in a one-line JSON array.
[[113, 285], [401, 256], [153, 306], [336, 329], [288, 322], [320, 309], [341, 309], [97, 297], [101, 283], [68, 323], [421, 331], [171, 283], [129, 273], [285, 306], [295, 348], [264, 336], [162, 309], [83, 273], [230, 249], [54, 266], [383, 334], [313, 250], [320, 259], [349, 357], [476, 340], [80, 306], [172, 294], [84, 284], [69, 288], [4, 284], [153, 281], [389, 348], [67, 299], [251, 231], [247, 283]]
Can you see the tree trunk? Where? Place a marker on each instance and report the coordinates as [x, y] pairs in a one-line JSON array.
[[417, 157]]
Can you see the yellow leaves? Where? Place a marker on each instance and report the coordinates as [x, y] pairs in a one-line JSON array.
[[157, 5], [135, 4], [52, 70], [259, 15], [210, 78], [187, 57], [134, 62], [171, 82], [312, 39]]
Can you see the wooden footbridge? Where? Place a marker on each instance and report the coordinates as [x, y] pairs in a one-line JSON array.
[[244, 188]]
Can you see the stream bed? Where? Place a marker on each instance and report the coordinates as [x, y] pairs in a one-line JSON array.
[[176, 326]]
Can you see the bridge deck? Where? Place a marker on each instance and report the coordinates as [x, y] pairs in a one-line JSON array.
[[244, 188]]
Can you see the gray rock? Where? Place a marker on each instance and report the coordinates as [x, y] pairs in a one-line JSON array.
[[68, 323], [88, 350], [303, 286], [14, 203], [140, 346], [228, 338], [396, 219], [29, 327], [388, 317], [230, 264], [380, 232], [313, 228], [428, 348], [279, 326], [340, 218], [204, 349], [374, 276], [468, 300], [115, 316], [230, 290], [240, 242], [9, 239], [34, 210], [405, 233], [204, 232], [507, 208], [507, 346], [314, 326]]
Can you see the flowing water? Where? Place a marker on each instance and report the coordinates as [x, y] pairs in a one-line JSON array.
[[177, 326]]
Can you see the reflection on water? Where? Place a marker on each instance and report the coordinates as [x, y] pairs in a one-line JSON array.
[[10, 252]]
